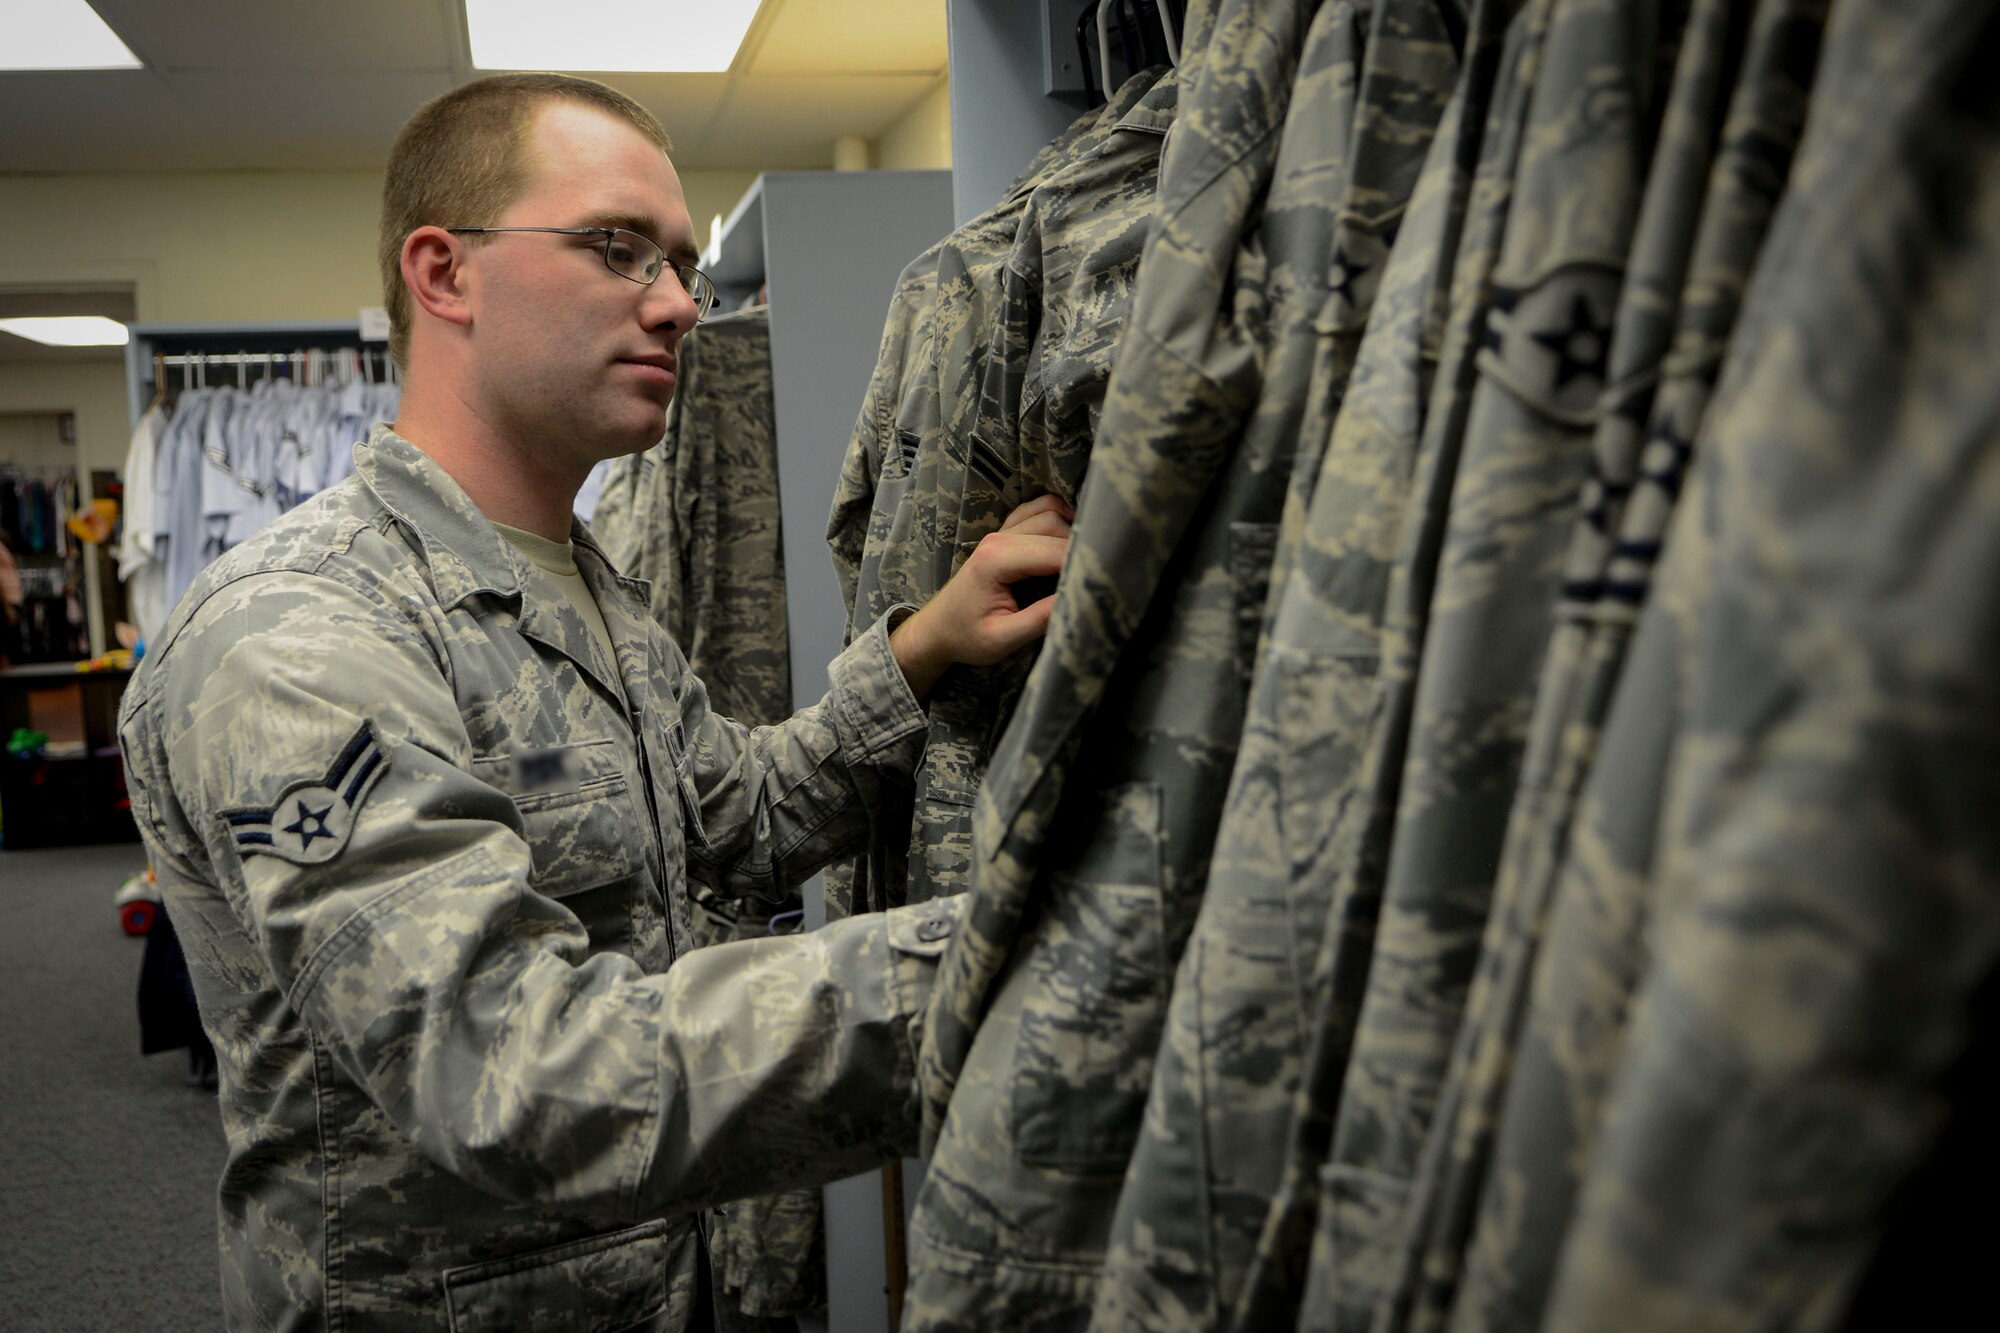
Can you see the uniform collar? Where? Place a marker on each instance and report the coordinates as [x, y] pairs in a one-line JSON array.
[[467, 555]]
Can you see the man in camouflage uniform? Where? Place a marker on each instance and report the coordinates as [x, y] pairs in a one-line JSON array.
[[424, 784]]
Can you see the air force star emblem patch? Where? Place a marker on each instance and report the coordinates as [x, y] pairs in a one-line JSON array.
[[311, 822]]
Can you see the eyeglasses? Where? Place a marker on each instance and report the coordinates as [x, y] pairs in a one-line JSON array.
[[632, 256]]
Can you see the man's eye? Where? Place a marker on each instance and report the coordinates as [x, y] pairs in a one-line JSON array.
[[623, 253]]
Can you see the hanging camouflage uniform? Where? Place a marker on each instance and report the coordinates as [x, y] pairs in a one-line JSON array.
[[1340, 634], [895, 511], [1673, 321], [1463, 680], [1817, 909], [1092, 831], [1372, 82], [1064, 294]]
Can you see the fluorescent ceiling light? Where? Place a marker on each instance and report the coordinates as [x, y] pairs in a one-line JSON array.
[[631, 36], [70, 330], [59, 34]]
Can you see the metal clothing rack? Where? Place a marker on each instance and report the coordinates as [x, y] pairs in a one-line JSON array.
[[154, 348]]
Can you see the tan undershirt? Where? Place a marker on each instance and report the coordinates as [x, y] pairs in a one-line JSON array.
[[558, 561]]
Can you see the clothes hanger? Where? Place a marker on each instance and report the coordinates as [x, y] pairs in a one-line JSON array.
[[1084, 21], [1104, 48]]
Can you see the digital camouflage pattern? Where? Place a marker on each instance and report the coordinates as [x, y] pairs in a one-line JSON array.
[[767, 1255], [921, 520], [1752, 1032], [1488, 545], [1094, 825], [1064, 293], [1714, 183], [1372, 82], [472, 1077], [1337, 650], [875, 448], [707, 537]]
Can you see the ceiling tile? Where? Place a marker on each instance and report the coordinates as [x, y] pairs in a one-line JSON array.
[[249, 35], [804, 36], [308, 120], [249, 84], [792, 121], [97, 120]]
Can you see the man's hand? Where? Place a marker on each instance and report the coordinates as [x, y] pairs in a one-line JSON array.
[[975, 618]]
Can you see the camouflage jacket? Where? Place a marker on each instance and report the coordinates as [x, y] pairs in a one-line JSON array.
[[1373, 82], [1094, 823], [1500, 471], [1772, 935], [1060, 305], [696, 516], [897, 515], [1346, 629], [427, 849], [1708, 204]]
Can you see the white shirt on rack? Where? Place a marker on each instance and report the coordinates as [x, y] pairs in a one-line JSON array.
[[140, 564]]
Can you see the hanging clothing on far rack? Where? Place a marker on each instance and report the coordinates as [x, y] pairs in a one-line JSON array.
[[141, 566], [230, 459]]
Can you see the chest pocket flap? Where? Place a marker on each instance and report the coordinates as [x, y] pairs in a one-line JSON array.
[[576, 804]]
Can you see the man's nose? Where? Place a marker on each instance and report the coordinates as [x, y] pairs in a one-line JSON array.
[[668, 305]]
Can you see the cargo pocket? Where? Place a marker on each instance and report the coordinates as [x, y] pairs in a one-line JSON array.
[[605, 1284], [1097, 993]]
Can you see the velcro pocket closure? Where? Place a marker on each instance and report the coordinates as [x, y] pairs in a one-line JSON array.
[[622, 1280], [575, 804]]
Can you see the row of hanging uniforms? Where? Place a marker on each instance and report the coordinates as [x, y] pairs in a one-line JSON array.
[[1494, 837], [213, 466], [697, 516]]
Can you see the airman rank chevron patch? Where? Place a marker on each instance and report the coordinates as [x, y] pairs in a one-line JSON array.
[[311, 822]]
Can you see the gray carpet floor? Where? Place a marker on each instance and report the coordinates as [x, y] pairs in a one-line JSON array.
[[108, 1159]]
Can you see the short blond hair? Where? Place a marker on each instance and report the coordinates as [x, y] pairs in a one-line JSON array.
[[463, 158]]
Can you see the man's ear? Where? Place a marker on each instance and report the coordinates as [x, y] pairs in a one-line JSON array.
[[434, 271]]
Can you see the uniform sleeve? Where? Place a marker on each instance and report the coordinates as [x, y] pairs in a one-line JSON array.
[[301, 739], [773, 805]]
